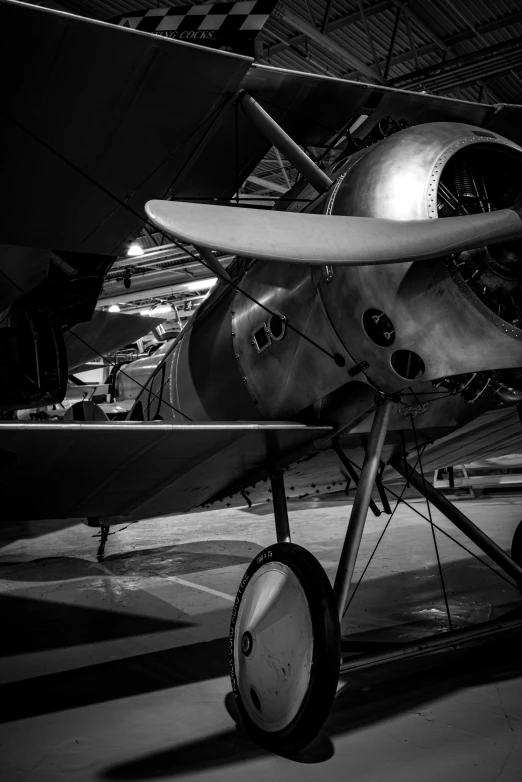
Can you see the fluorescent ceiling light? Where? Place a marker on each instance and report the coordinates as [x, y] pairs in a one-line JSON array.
[[153, 311], [135, 249], [114, 308], [201, 285]]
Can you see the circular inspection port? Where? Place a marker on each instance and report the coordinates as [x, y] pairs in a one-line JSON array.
[[379, 328], [408, 364], [277, 326]]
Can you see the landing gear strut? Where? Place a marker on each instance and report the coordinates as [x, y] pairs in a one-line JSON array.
[[284, 645], [510, 565]]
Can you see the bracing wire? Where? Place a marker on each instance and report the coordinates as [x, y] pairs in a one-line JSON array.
[[143, 387], [440, 529], [119, 201], [335, 357], [439, 565], [399, 500]]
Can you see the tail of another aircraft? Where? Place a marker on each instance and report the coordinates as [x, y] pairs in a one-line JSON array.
[[229, 26]]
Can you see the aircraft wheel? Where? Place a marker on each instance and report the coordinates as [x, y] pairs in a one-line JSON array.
[[516, 549], [284, 648]]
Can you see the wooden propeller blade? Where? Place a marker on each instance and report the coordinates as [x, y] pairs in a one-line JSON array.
[[294, 237]]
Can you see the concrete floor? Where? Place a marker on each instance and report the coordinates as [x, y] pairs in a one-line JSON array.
[[118, 671]]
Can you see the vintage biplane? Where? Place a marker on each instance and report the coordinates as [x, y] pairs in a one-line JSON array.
[[374, 314]]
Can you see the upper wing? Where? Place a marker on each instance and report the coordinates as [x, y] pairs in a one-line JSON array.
[[134, 469], [21, 270], [313, 108], [98, 118]]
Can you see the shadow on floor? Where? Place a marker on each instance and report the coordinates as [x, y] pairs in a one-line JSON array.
[[398, 607], [367, 697], [27, 530], [187, 558], [30, 625], [121, 678], [160, 561]]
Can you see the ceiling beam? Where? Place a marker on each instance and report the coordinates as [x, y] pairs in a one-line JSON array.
[[328, 44], [453, 40], [423, 25], [267, 183], [369, 36], [337, 24], [462, 64], [146, 293]]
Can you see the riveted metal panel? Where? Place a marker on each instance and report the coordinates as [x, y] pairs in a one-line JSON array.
[[292, 373], [209, 383]]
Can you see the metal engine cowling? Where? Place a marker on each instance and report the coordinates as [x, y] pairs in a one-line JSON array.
[[438, 310]]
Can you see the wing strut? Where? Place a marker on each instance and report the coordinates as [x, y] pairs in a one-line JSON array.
[[287, 146]]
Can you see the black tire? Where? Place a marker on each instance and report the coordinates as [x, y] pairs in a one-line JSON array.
[[325, 658], [516, 550]]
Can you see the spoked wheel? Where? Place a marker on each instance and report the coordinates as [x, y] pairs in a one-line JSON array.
[[284, 648], [516, 550]]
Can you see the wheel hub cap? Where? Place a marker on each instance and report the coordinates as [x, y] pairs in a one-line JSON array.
[[274, 647]]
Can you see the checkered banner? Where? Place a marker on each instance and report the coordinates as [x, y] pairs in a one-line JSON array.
[[229, 26]]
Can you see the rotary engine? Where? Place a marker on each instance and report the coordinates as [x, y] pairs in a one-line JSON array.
[[436, 171]]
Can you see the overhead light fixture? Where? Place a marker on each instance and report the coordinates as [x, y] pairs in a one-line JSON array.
[[114, 308], [162, 309], [201, 285], [135, 249]]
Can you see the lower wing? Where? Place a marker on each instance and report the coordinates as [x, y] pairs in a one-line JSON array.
[[136, 470]]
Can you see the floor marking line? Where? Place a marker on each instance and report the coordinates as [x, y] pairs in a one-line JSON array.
[[201, 588]]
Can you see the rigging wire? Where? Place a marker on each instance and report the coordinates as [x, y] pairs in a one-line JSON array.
[[399, 500], [144, 387], [212, 118], [440, 529], [133, 211], [432, 527], [336, 357], [236, 149]]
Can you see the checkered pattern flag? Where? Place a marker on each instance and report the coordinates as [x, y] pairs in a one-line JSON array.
[[230, 26]]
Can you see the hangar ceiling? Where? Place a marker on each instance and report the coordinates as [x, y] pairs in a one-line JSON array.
[[466, 50]]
